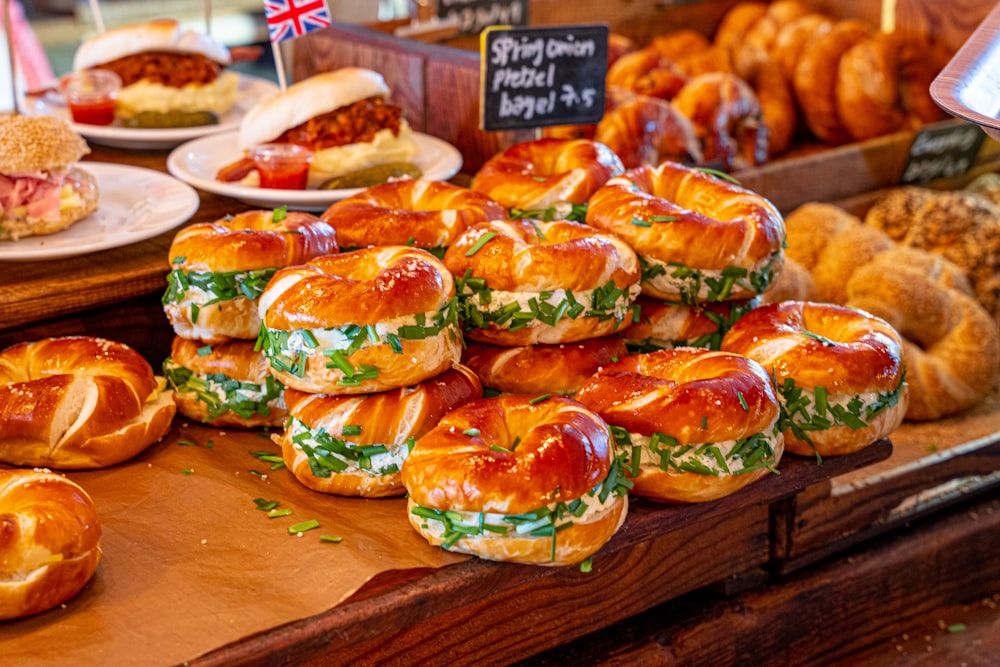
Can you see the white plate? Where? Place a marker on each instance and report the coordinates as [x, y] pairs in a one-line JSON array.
[[252, 90], [197, 162], [135, 204]]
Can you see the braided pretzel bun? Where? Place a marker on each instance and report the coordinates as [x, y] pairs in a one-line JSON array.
[[237, 255], [664, 325], [647, 72], [360, 442], [541, 369], [78, 402], [51, 541], [700, 238], [815, 79], [838, 372], [522, 282], [727, 117], [417, 212], [516, 468], [951, 345], [647, 130], [545, 172], [696, 424], [359, 322], [224, 384]]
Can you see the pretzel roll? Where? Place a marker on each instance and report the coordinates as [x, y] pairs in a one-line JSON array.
[[220, 268], [78, 402], [695, 424], [951, 345], [356, 445], [664, 325], [815, 79], [648, 130], [793, 37], [838, 372], [512, 478], [359, 322], [546, 172], [646, 72], [522, 282], [51, 541], [700, 238], [727, 117], [224, 384], [867, 88], [542, 369], [415, 212]]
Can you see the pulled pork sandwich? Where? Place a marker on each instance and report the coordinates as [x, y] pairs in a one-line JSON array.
[[170, 77], [343, 116], [41, 189]]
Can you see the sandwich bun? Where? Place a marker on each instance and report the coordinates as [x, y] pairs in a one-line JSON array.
[[43, 149], [321, 94], [156, 86]]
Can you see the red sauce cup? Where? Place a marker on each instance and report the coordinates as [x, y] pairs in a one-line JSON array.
[[282, 166], [90, 95]]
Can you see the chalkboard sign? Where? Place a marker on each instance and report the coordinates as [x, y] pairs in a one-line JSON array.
[[473, 16], [942, 152], [536, 77]]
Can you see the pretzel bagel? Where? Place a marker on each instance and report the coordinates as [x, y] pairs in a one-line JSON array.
[[224, 384], [218, 269], [700, 238], [838, 372], [545, 172], [358, 322], [521, 282], [662, 325], [78, 402], [50, 541], [356, 445], [695, 424], [425, 214], [509, 478], [541, 369]]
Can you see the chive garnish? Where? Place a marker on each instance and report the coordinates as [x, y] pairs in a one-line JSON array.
[[265, 505], [331, 538], [823, 339], [539, 399], [743, 401], [303, 526], [279, 214], [471, 432], [353, 429], [204, 350], [275, 513], [478, 245]]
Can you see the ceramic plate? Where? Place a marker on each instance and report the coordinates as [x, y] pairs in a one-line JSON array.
[[197, 162], [252, 91], [135, 204]]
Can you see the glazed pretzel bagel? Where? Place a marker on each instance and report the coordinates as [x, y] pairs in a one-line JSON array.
[[218, 266], [665, 325], [695, 424], [358, 322], [700, 238], [522, 282], [425, 214], [951, 345], [78, 402], [512, 479], [647, 130], [51, 541], [838, 372], [359, 443], [542, 173], [224, 384], [646, 72], [541, 369]]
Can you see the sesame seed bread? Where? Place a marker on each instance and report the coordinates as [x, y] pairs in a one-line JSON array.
[[37, 143]]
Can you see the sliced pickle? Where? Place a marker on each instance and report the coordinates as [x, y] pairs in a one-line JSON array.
[[170, 119], [364, 178]]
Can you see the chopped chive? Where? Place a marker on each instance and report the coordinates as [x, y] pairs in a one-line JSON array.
[[303, 526], [331, 538], [471, 432], [586, 566], [204, 350], [638, 222], [188, 471], [275, 513], [539, 399], [265, 505], [187, 443], [743, 400], [704, 422], [478, 245], [353, 429]]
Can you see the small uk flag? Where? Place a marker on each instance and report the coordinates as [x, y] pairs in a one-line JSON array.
[[287, 19]]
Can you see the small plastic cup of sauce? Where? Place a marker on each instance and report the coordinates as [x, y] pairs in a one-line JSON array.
[[282, 166], [90, 95]]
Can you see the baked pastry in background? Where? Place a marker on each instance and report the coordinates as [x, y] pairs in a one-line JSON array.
[[51, 541], [42, 188]]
